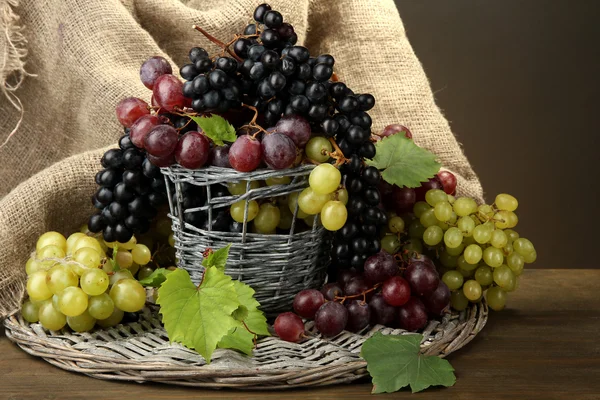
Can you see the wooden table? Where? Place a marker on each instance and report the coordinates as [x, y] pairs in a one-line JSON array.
[[546, 345]]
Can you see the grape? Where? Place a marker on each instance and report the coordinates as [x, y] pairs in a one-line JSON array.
[[381, 312], [278, 180], [464, 206], [72, 301], [346, 275], [141, 254], [403, 198], [237, 210], [160, 162], [192, 150], [506, 202], [324, 179], [413, 246], [453, 237], [473, 254], [334, 215], [380, 267], [422, 277], [472, 290], [51, 239], [466, 225], [50, 251], [293, 202], [128, 245], [484, 276], [81, 323], [432, 183], [312, 202], [220, 156], [128, 295], [437, 301], [318, 149], [94, 282], [396, 128], [331, 290], [285, 218], [50, 318], [496, 298], [152, 69], [506, 219], [296, 128], [434, 196], [359, 315], [443, 211], [331, 319], [168, 92], [499, 239], [357, 286], [493, 257], [504, 277], [120, 274], [428, 218], [341, 195], [464, 265], [420, 207], [114, 319], [396, 225], [448, 181], [512, 235], [30, 311], [458, 300], [37, 289], [71, 240], [100, 306], [130, 109], [144, 272], [413, 315], [482, 234], [161, 141], [279, 151], [239, 188], [245, 154], [395, 291], [447, 260], [307, 302], [530, 257], [453, 279], [60, 277], [416, 229], [289, 327], [523, 246], [433, 235], [267, 219], [123, 259], [140, 129]]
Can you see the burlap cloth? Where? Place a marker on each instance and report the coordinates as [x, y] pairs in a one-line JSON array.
[[86, 56]]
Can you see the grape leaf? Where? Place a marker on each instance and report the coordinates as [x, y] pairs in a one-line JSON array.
[[198, 317], [403, 162], [216, 128], [156, 278], [394, 362], [217, 258]]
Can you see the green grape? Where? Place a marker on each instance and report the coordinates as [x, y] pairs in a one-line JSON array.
[[88, 241], [453, 279], [516, 263], [485, 212], [71, 240], [101, 306], [277, 180], [134, 268], [128, 295], [341, 195], [72, 301], [113, 320], [465, 273], [453, 237], [32, 266], [312, 202], [453, 219], [448, 260], [523, 246], [163, 226], [473, 254], [420, 207], [443, 225], [428, 218], [390, 244], [37, 289], [451, 199], [51, 239], [50, 318], [504, 277], [482, 234], [464, 265], [396, 225], [171, 240], [87, 256], [466, 225], [464, 206], [435, 196], [443, 211], [144, 272], [237, 210], [499, 239], [467, 240], [310, 220], [30, 311], [472, 290], [124, 258], [128, 245], [506, 202], [285, 218], [81, 323], [84, 229], [239, 188], [318, 149], [508, 249], [324, 179], [433, 235], [120, 274], [530, 257], [506, 219], [141, 254], [55, 303], [60, 277], [334, 215], [484, 275], [416, 229], [496, 298], [94, 282], [293, 203], [414, 245], [458, 300], [49, 252], [267, 218], [493, 257], [512, 235], [455, 251]]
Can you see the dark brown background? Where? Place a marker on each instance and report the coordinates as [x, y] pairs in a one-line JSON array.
[[519, 82]]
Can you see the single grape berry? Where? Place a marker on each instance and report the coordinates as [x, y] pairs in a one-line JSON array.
[[331, 290], [296, 128], [359, 315], [307, 302], [289, 327], [279, 151], [331, 319], [422, 277], [448, 180], [395, 291], [168, 92], [245, 154], [438, 301], [152, 69], [161, 141], [380, 267], [130, 109], [396, 128], [412, 315], [141, 128], [381, 312], [192, 150]]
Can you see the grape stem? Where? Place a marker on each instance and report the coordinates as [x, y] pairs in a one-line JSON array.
[[255, 335], [338, 154], [217, 42], [252, 124], [355, 296]]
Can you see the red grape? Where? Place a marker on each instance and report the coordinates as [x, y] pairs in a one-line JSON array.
[[432, 183], [395, 291], [307, 302], [403, 199], [437, 301], [380, 267], [192, 150], [130, 109], [422, 277], [296, 127], [166, 161], [356, 286], [141, 128], [289, 327], [220, 156], [381, 312], [412, 315], [395, 128], [161, 140], [448, 181], [331, 318], [345, 275], [245, 154], [359, 315], [152, 69], [279, 151], [331, 290], [168, 93]]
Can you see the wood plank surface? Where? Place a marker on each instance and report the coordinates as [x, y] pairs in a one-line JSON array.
[[546, 345]]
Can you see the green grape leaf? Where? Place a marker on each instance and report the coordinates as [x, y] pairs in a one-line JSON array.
[[216, 128], [217, 258], [394, 362], [198, 317], [156, 278], [403, 162]]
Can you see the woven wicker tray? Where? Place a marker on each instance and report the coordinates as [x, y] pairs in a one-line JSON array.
[[141, 352]]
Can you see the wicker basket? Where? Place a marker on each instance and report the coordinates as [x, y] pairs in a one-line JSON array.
[[277, 266]]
